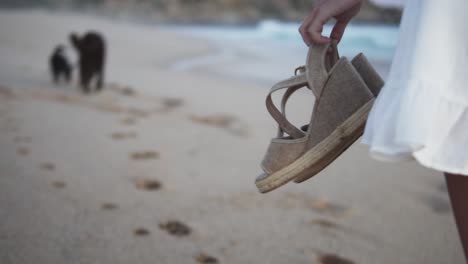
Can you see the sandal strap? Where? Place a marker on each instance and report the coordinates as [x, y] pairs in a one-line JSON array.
[[293, 84], [296, 80], [284, 100], [314, 76], [319, 62], [300, 69]]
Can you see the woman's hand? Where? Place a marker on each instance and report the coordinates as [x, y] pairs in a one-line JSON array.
[[324, 10]]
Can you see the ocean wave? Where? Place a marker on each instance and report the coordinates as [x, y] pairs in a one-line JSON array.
[[357, 36], [262, 46]]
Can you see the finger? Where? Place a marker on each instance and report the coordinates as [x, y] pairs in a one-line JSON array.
[[338, 30], [315, 31], [305, 25], [319, 39], [305, 37]]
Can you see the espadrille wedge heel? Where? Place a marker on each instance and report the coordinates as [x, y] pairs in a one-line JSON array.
[[343, 101], [375, 83]]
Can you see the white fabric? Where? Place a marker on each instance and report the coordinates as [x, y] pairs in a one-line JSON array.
[[422, 111]]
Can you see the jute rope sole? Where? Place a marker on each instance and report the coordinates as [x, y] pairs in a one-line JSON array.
[[320, 156], [331, 156]]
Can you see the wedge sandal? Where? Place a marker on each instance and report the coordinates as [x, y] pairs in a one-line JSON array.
[[344, 93], [375, 83]]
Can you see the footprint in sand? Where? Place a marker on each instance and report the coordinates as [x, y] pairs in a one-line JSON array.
[[175, 228], [167, 103], [442, 187], [332, 259], [230, 123], [109, 107], [171, 103], [148, 184], [6, 92], [330, 226], [123, 135], [64, 98], [206, 259], [326, 207], [440, 204], [438, 200], [48, 166], [128, 121], [137, 112], [109, 206], [324, 223], [59, 184], [141, 232], [127, 91], [144, 155], [20, 139], [22, 151], [124, 90]]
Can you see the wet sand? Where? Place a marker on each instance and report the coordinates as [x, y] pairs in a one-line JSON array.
[[159, 167]]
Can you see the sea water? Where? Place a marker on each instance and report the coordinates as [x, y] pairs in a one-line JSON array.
[[271, 50]]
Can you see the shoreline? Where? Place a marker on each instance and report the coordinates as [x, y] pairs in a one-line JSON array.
[[265, 68], [261, 65]]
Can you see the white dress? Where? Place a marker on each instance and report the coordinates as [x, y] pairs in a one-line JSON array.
[[422, 111]]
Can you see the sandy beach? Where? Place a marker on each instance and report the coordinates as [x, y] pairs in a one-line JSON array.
[[160, 166]]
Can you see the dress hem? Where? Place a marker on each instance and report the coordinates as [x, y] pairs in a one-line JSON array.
[[410, 157]]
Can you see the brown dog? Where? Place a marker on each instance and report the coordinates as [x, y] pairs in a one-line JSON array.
[[91, 49]]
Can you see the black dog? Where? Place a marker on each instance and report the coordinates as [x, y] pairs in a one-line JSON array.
[[91, 49], [59, 65]]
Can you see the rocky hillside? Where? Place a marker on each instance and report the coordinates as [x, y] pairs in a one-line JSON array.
[[208, 11]]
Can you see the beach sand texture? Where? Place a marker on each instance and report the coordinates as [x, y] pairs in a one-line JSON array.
[[160, 166]]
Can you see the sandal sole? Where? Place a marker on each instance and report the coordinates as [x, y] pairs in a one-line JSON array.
[[320, 156]]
